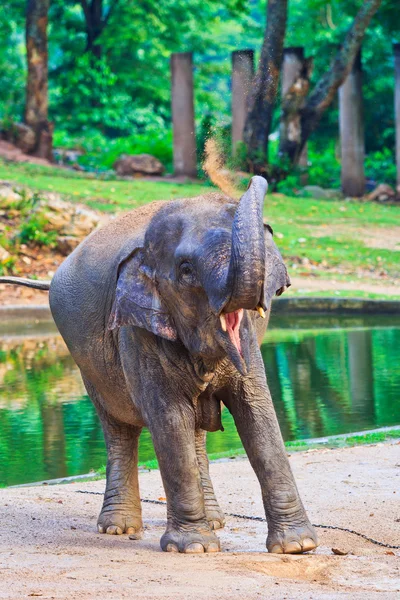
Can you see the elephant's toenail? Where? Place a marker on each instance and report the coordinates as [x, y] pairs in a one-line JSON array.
[[276, 549], [213, 547], [100, 529], [194, 548], [215, 525], [308, 544], [114, 530], [171, 548], [133, 534], [292, 548]]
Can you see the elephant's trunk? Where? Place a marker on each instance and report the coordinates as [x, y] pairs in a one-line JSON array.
[[245, 280]]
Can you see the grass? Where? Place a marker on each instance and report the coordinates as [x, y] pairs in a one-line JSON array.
[[107, 195], [343, 227]]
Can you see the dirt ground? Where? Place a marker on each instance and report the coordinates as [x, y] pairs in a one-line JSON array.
[[49, 547]]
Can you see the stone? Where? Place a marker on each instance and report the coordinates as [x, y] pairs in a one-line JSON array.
[[7, 196], [4, 254], [65, 244], [382, 193], [64, 156], [24, 137], [317, 192], [21, 135], [138, 164]]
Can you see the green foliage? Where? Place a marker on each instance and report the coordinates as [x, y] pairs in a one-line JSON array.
[[380, 166], [32, 230], [100, 152], [7, 265]]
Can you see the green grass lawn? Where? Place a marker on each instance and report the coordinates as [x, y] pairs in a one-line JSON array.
[[107, 195], [333, 234]]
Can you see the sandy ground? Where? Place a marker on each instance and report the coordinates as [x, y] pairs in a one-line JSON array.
[[49, 547]]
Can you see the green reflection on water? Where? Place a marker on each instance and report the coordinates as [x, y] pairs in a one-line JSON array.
[[326, 377]]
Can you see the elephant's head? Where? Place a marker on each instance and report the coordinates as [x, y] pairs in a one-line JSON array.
[[200, 266]]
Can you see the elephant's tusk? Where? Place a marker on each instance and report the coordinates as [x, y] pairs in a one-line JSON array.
[[261, 311], [223, 322]]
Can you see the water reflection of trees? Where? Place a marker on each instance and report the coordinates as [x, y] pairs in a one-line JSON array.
[[48, 428], [332, 383], [322, 383]]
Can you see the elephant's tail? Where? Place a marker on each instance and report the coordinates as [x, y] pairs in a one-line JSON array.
[[31, 283]]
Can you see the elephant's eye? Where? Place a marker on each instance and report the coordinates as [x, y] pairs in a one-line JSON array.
[[186, 273]]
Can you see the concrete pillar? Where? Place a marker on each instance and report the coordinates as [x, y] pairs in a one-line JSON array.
[[295, 68], [185, 162], [242, 77], [396, 50], [351, 122], [292, 67]]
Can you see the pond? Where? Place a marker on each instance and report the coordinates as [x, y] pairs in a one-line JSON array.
[[327, 376]]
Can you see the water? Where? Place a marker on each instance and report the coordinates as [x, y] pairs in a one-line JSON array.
[[327, 376]]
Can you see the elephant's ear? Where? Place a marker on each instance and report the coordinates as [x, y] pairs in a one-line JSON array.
[[276, 276], [137, 301]]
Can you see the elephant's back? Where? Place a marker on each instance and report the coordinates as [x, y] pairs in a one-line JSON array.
[[82, 290]]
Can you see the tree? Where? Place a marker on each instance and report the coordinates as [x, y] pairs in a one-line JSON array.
[[264, 89], [36, 106], [326, 88], [96, 18]]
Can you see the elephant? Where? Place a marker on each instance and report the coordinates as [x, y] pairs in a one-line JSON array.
[[163, 310]]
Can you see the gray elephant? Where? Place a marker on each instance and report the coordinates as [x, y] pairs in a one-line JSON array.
[[162, 311]]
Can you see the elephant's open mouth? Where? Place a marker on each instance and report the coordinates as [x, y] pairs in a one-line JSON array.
[[230, 322]]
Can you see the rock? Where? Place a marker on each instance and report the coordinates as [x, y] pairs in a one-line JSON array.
[[3, 254], [20, 135], [382, 193], [84, 221], [317, 192], [66, 244], [64, 156], [138, 164], [24, 137], [66, 218], [7, 196]]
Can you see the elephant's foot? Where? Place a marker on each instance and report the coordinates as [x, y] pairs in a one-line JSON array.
[[118, 520], [294, 539], [215, 517], [190, 541]]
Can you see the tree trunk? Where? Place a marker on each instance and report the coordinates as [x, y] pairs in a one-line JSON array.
[[264, 88], [351, 120], [326, 88], [36, 109], [296, 73], [95, 23]]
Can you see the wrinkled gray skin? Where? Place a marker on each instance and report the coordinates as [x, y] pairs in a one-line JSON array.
[[138, 304]]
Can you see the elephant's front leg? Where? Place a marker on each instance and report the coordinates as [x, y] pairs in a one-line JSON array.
[[173, 432], [289, 529]]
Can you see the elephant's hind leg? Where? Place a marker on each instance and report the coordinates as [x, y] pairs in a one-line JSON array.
[[214, 514], [121, 511]]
